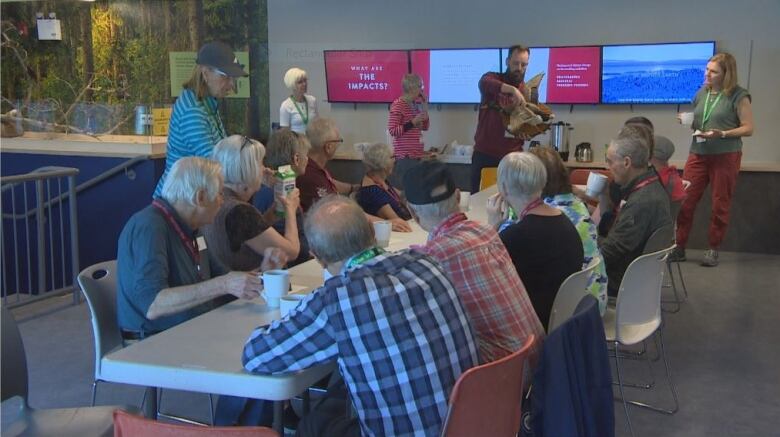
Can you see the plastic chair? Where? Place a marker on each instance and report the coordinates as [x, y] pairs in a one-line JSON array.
[[637, 317], [131, 425], [569, 295], [19, 418], [486, 399], [487, 177], [99, 285], [662, 238]]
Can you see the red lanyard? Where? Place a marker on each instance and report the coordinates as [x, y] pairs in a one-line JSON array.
[[331, 182], [527, 209], [189, 243], [637, 187], [389, 190]]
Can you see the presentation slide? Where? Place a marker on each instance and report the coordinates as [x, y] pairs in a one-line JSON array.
[[571, 74], [653, 73], [452, 75], [367, 76]]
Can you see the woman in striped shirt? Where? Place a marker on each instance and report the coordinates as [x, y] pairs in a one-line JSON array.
[[408, 118], [195, 126]]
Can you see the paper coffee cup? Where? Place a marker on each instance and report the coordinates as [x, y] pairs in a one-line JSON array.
[[288, 302], [686, 118], [276, 283], [382, 230], [597, 182], [465, 199]]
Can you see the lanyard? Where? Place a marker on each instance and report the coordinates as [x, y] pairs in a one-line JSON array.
[[637, 187], [328, 177], [362, 257], [528, 209], [305, 118], [390, 190], [215, 120], [189, 243], [708, 110]]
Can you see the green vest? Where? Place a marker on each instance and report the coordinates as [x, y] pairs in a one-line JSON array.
[[724, 116]]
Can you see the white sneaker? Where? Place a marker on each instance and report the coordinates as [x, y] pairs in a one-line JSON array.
[[710, 258]]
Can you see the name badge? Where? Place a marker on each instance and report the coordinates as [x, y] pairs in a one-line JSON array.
[[201, 242], [508, 134], [700, 139]]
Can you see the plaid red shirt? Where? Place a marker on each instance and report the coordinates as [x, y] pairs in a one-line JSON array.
[[491, 291]]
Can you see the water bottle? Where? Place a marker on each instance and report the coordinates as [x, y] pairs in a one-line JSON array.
[[141, 120]]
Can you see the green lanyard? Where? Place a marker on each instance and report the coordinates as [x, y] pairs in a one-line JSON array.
[[215, 120], [363, 256], [305, 118], [708, 110]]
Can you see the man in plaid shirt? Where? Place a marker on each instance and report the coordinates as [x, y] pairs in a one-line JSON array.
[[477, 262], [393, 322]]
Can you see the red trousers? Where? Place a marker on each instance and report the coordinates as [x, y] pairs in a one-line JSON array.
[[720, 172]]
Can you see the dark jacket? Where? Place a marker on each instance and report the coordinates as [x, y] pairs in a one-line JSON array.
[[572, 387], [645, 210]]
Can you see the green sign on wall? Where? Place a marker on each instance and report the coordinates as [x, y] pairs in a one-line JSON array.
[[182, 64]]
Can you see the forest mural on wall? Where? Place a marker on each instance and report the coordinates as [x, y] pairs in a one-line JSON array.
[[113, 56]]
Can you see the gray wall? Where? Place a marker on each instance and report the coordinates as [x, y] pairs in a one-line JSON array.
[[300, 30]]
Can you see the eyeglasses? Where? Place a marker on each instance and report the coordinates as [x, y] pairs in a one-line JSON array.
[[246, 142], [339, 140]]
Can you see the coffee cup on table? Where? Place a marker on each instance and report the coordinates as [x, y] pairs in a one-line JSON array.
[[686, 119], [597, 182], [382, 230], [276, 283], [288, 302]]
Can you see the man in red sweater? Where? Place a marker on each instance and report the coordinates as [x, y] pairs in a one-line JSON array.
[[501, 92]]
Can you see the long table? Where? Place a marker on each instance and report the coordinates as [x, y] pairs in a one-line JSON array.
[[204, 354]]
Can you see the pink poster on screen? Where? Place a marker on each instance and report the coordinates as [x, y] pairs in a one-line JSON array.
[[421, 66], [573, 75], [365, 76]]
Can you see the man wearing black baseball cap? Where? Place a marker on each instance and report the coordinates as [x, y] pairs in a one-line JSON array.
[[476, 260], [196, 126]]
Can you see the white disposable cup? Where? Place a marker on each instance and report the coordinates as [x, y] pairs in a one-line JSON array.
[[597, 182], [382, 230], [465, 198], [288, 302], [686, 118], [276, 283]]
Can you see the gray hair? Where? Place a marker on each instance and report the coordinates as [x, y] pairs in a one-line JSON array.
[[241, 158], [292, 77], [633, 145], [282, 147], [377, 156], [190, 175], [337, 229], [411, 80], [318, 131], [436, 212], [522, 175]]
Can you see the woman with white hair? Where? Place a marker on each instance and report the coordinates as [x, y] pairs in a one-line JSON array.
[[408, 118], [376, 196], [543, 244], [240, 235], [299, 108]]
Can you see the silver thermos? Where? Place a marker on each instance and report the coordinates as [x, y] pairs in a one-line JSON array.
[[559, 138]]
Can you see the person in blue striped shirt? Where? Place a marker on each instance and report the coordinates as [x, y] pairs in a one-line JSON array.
[[195, 126]]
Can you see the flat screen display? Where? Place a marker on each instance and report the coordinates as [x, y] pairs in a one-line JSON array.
[[572, 74], [653, 73], [365, 76], [452, 75]]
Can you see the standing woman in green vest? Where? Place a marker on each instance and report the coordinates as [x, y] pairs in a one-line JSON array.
[[722, 116], [196, 126], [300, 108]]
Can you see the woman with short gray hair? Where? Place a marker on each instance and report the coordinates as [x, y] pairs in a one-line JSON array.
[[543, 244], [298, 109], [376, 195], [240, 234]]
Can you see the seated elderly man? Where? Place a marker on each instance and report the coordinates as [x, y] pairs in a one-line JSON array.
[[643, 206], [317, 182], [477, 262], [393, 322], [165, 273]]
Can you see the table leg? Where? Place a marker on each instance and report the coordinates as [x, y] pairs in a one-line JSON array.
[[150, 403], [279, 417]]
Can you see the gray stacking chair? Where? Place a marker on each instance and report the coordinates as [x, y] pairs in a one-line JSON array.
[[662, 238], [571, 292], [18, 418]]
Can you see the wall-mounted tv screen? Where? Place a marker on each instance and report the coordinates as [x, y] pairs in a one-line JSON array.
[[571, 74], [452, 75], [365, 76], [653, 73]]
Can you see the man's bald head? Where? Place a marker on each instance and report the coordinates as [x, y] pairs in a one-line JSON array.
[[337, 229]]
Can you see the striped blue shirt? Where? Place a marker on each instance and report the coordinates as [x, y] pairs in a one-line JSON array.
[[194, 130], [400, 335]]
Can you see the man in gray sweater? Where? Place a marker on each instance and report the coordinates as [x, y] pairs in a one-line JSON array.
[[643, 207]]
